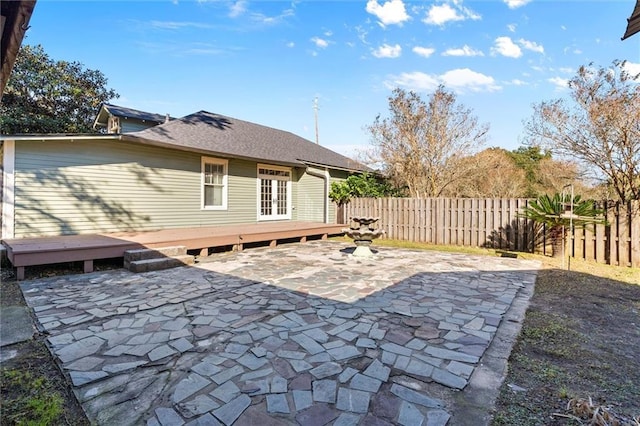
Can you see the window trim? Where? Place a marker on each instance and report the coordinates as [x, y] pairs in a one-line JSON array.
[[225, 182]]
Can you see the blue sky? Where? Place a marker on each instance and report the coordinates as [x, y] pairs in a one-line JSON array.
[[266, 61]]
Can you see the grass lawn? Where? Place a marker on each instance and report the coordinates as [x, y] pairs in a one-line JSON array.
[[577, 358]]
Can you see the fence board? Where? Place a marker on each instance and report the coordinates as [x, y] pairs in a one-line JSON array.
[[624, 248], [634, 233], [613, 234], [494, 222]]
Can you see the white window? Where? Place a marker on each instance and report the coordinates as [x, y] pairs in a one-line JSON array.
[[214, 183]]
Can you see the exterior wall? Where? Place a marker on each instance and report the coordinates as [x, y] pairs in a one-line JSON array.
[[127, 126], [310, 197], [90, 186]]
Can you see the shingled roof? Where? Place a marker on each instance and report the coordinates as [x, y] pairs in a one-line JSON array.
[[124, 112], [220, 135], [633, 22]]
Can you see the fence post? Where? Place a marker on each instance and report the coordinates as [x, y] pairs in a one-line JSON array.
[[634, 217]]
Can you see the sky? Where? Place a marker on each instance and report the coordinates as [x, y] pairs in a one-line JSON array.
[[268, 61]]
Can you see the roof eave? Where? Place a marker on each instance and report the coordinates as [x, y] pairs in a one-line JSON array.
[[633, 22], [344, 169], [18, 14], [56, 137]]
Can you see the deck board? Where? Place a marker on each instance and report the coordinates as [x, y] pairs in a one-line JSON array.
[[68, 248]]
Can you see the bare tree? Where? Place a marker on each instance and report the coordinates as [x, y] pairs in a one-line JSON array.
[[600, 126], [552, 176], [422, 145], [492, 174]]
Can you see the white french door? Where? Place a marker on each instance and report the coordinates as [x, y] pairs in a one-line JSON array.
[[274, 192]]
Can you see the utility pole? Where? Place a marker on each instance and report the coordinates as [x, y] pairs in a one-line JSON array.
[[315, 109]]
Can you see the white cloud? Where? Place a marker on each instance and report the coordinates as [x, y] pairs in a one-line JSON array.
[[272, 20], [512, 28], [465, 79], [517, 82], [177, 25], [506, 47], [423, 51], [441, 14], [291, 44], [414, 81], [319, 42], [459, 80], [531, 45], [238, 8], [631, 68], [362, 34], [389, 13], [462, 51], [567, 70], [202, 51], [559, 82], [513, 4], [388, 51]]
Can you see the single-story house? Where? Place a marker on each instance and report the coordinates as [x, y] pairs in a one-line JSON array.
[[200, 170]]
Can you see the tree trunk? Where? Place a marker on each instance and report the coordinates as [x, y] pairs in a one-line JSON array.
[[557, 241]]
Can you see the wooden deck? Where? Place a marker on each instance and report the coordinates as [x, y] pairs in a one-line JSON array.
[[25, 252]]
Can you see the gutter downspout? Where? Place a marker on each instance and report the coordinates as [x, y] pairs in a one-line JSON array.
[[326, 177]]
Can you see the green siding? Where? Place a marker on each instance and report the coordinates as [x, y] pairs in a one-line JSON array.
[[296, 174], [127, 126], [98, 186], [310, 198]]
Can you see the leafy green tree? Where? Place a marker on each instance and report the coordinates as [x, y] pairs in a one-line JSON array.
[[551, 212], [528, 159], [361, 186], [48, 96]]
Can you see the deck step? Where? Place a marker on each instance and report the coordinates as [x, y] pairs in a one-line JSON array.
[[154, 253], [144, 260], [146, 265]]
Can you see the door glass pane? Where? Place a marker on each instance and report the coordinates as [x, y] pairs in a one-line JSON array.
[[282, 197], [266, 199]]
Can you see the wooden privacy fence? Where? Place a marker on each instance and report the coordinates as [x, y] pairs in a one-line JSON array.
[[494, 223]]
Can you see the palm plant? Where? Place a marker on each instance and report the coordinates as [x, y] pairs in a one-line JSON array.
[[551, 212]]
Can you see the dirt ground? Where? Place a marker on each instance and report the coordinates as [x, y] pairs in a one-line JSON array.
[[579, 347], [33, 389]]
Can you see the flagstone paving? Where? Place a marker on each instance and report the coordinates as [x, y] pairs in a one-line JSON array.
[[299, 334]]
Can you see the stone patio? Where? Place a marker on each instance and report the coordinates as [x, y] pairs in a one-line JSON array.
[[300, 334]]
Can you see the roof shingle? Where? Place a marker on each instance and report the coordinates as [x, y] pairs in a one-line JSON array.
[[120, 111], [218, 134]]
